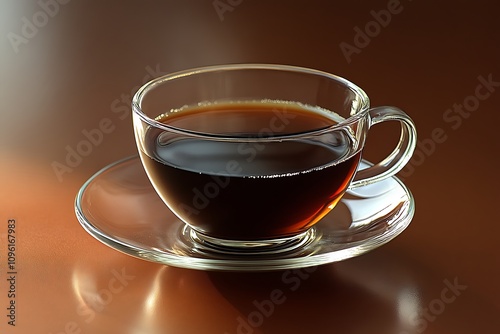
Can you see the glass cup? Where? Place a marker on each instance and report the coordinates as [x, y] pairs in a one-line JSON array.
[[251, 156]]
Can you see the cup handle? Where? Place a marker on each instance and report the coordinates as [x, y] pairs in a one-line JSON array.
[[395, 161]]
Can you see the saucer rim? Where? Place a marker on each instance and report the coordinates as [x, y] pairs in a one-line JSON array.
[[229, 264]]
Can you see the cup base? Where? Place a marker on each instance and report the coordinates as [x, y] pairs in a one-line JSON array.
[[250, 247]]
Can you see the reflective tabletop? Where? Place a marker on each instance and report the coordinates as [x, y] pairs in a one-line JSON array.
[[68, 70]]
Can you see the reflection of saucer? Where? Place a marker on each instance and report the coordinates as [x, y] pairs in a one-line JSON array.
[[119, 207]]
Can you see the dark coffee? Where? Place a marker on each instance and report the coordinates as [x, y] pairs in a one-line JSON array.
[[249, 188]]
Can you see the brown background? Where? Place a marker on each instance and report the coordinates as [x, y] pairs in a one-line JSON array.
[[77, 67]]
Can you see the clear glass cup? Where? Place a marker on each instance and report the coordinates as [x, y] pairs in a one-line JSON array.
[[251, 156]]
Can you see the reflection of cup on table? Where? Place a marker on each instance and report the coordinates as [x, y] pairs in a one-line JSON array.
[[252, 156]]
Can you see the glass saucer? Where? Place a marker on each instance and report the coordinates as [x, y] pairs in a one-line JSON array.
[[119, 207]]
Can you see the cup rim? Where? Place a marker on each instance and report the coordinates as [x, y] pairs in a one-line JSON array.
[[143, 90]]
